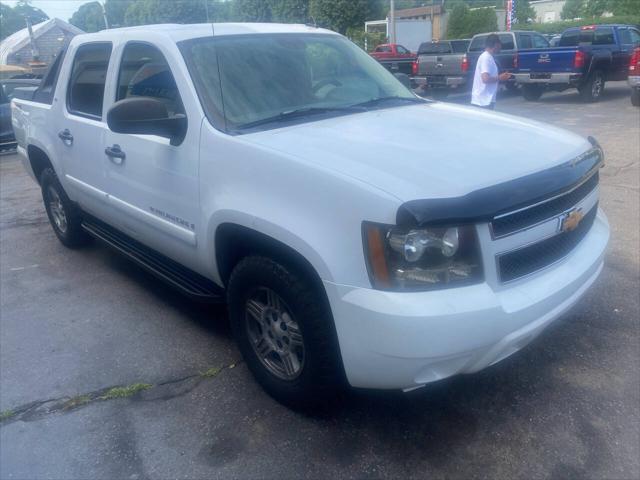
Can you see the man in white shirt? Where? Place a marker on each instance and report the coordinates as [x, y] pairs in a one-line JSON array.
[[486, 78]]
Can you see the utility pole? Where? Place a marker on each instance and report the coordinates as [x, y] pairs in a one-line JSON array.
[[392, 20], [104, 15], [34, 47], [206, 8]]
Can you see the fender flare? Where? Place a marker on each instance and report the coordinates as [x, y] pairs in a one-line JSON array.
[[272, 231]]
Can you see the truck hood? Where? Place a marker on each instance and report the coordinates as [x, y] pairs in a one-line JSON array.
[[435, 150]]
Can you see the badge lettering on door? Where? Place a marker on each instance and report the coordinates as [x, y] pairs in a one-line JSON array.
[[173, 219]]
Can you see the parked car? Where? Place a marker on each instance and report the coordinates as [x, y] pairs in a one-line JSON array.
[[552, 38], [8, 89], [512, 43], [586, 58], [357, 232], [395, 58], [442, 66], [634, 77]]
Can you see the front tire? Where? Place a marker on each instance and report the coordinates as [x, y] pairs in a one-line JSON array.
[[593, 88], [284, 330], [65, 217]]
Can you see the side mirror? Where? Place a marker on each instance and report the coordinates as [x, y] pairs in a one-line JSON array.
[[404, 79], [146, 116]]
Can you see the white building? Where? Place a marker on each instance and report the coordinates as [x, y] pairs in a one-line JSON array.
[[547, 10], [48, 37]]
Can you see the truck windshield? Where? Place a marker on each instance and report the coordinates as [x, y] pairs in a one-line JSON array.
[[260, 81]]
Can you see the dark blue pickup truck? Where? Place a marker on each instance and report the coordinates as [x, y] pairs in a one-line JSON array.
[[585, 59]]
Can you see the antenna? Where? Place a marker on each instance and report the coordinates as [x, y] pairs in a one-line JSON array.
[[313, 22]]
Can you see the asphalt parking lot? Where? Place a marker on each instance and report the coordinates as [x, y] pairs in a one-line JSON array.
[[75, 324]]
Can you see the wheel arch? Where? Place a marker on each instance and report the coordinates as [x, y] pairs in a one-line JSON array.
[[234, 241], [39, 160]]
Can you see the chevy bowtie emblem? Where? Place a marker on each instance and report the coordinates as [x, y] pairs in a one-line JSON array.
[[571, 220]]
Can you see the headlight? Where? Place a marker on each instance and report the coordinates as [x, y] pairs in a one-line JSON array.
[[414, 259]]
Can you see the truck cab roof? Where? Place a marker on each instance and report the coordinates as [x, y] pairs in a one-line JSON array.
[[179, 32]]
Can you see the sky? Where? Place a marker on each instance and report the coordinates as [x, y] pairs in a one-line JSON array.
[[54, 8]]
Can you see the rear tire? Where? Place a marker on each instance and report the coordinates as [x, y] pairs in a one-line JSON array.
[[64, 215], [635, 97], [592, 89], [532, 92], [285, 332]]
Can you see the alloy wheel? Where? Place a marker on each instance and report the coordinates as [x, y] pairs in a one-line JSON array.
[[57, 210], [274, 334]]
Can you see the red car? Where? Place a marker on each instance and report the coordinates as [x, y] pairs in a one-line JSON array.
[[395, 58], [391, 50]]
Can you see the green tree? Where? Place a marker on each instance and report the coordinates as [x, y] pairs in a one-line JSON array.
[[572, 9], [457, 24], [220, 10], [13, 19], [89, 17], [595, 8], [289, 11], [251, 10], [116, 10], [464, 23], [144, 12], [624, 7], [524, 12], [339, 15]]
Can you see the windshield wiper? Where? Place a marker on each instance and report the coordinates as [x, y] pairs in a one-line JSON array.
[[298, 112], [377, 101]]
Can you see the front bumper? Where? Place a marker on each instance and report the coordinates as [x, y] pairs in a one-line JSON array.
[[634, 81], [394, 340], [551, 78]]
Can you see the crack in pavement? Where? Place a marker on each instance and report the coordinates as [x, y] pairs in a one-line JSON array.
[[165, 390]]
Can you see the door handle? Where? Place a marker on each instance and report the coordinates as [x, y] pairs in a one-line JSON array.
[[66, 137], [115, 154]]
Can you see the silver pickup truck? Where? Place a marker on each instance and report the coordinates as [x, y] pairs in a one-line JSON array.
[[442, 66]]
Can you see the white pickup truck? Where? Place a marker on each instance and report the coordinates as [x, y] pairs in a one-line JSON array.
[[359, 234]]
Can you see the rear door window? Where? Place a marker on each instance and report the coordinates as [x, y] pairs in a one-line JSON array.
[[540, 42], [477, 44], [85, 94], [144, 72], [570, 39], [603, 36], [506, 40], [525, 41]]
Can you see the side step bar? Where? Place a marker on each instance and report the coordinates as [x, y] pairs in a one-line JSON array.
[[187, 281]]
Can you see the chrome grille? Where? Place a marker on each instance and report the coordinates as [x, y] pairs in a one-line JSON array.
[[531, 258], [527, 217]]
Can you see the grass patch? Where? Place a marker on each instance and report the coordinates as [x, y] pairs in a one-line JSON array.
[[123, 392], [76, 401], [211, 372], [7, 414]]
